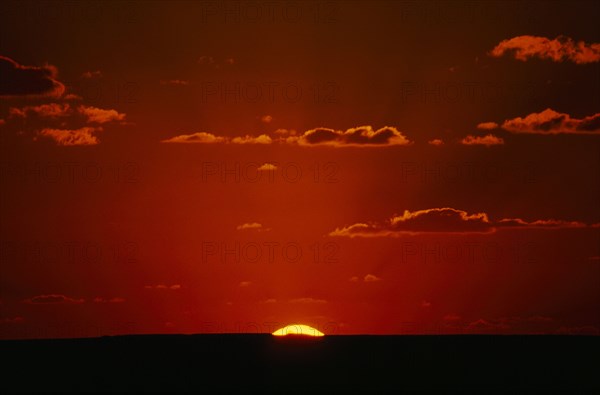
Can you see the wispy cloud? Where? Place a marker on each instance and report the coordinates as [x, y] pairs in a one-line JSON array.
[[558, 50], [487, 140], [99, 299], [371, 278], [53, 299], [70, 137], [255, 226], [436, 142], [445, 220], [173, 287]]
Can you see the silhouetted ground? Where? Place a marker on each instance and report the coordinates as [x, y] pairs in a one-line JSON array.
[[246, 362]]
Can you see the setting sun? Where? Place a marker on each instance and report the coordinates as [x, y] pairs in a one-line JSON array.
[[298, 330]]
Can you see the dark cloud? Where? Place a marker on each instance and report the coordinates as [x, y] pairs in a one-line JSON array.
[[320, 135], [445, 220], [553, 122], [360, 136], [19, 80]]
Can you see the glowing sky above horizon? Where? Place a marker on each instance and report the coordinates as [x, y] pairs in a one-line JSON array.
[[360, 167]]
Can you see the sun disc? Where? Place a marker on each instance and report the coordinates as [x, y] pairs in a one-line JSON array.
[[298, 330]]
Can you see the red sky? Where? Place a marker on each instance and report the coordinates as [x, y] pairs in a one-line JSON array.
[[361, 167]]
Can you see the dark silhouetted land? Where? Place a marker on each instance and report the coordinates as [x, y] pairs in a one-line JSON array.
[[263, 362]]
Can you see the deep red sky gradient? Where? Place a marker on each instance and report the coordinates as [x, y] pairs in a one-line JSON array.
[[121, 232]]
